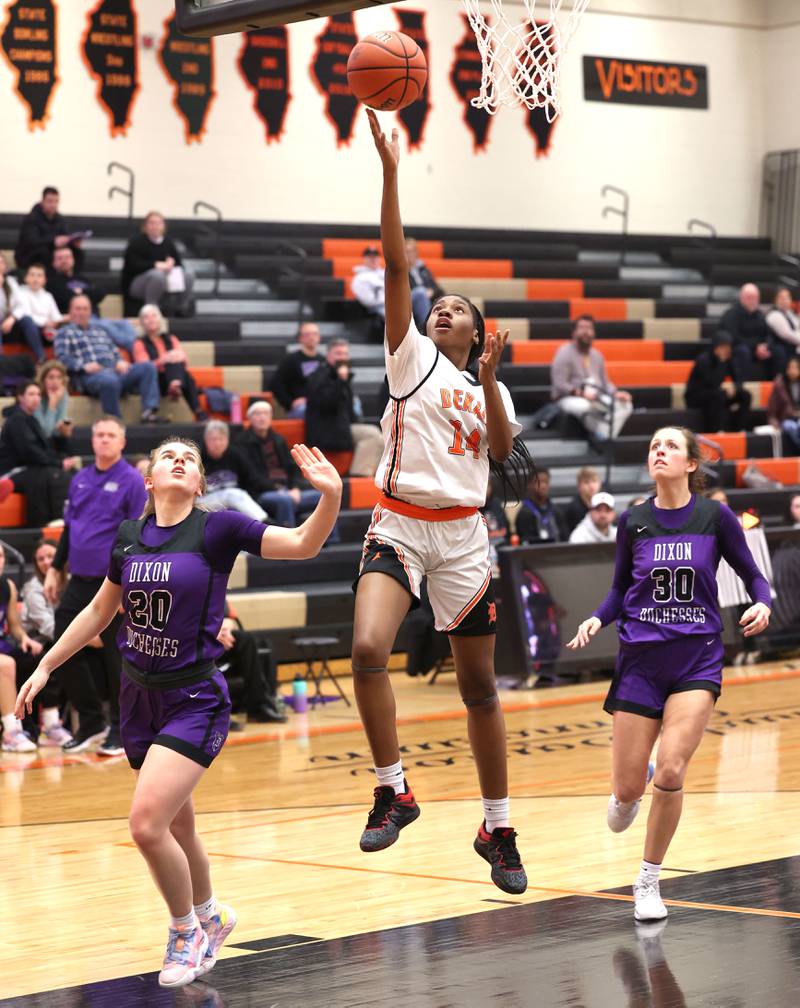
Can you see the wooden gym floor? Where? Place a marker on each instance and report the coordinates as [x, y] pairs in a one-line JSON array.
[[321, 924]]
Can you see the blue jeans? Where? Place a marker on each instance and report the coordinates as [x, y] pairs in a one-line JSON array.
[[283, 510], [119, 330], [791, 428], [420, 306], [107, 385], [27, 330]]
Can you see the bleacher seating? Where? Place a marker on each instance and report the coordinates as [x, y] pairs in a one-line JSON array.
[[656, 309]]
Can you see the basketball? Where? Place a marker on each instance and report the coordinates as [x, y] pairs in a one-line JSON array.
[[387, 71]]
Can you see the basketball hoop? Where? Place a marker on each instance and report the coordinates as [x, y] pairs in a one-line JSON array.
[[522, 61]]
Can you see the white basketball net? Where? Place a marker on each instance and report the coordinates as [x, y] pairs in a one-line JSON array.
[[522, 60]]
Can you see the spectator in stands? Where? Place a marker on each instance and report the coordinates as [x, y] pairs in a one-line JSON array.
[[715, 388], [753, 340], [537, 519], [424, 289], [34, 465], [52, 411], [16, 647], [97, 368], [242, 660], [589, 484], [154, 268], [794, 511], [42, 231], [369, 283], [35, 312], [784, 321], [783, 408], [582, 388], [8, 285], [496, 524], [718, 494], [63, 283], [161, 347], [333, 412], [597, 525], [231, 480], [38, 614], [289, 384], [267, 454]]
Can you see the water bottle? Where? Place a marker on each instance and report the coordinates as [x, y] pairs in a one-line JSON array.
[[300, 694], [236, 408]]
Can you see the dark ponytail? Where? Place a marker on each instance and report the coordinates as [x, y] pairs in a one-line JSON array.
[[515, 473]]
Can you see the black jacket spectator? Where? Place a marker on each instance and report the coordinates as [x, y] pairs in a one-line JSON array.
[[745, 327], [421, 276], [142, 254], [573, 513], [329, 411], [23, 443], [64, 288], [704, 390], [37, 236], [537, 524], [232, 462], [256, 452], [290, 381]]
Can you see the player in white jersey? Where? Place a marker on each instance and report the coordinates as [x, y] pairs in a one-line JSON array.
[[444, 429]]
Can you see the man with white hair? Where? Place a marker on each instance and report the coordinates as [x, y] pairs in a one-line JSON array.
[[598, 524], [753, 340]]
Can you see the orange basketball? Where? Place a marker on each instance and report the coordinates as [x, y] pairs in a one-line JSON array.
[[387, 71]]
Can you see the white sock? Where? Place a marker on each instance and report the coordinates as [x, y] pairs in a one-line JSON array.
[[10, 724], [187, 923], [205, 911], [391, 776], [649, 872], [50, 717], [495, 812]]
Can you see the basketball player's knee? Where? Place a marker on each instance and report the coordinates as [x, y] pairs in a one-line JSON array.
[[481, 702], [670, 772], [479, 690], [147, 831], [368, 658], [627, 791]]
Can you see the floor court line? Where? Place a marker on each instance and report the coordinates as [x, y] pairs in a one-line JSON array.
[[315, 731]]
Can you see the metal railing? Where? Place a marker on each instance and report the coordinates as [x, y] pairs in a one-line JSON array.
[[622, 212], [202, 205], [708, 243], [115, 189]]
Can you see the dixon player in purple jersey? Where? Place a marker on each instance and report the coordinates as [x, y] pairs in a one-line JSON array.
[[169, 571], [669, 667]]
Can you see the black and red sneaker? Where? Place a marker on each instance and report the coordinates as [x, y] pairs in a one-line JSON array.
[[390, 813], [499, 848]]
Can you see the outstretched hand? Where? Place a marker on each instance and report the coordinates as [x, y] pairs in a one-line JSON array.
[[32, 686], [389, 150], [317, 469], [492, 352], [586, 631]]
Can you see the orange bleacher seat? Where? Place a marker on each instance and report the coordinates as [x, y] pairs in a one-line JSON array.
[[52, 532], [13, 511], [341, 461], [208, 376], [734, 446], [293, 431], [554, 290], [632, 374], [784, 470], [363, 492], [333, 248], [602, 309], [628, 351]]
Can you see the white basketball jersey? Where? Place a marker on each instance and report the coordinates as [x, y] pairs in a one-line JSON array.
[[436, 452]]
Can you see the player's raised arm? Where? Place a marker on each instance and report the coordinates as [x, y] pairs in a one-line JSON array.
[[398, 288]]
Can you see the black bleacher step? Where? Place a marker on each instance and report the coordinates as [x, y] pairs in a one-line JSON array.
[[216, 328], [680, 350], [681, 309], [761, 274], [478, 249], [561, 329], [648, 421], [699, 257], [526, 309], [532, 269], [268, 265], [313, 288], [334, 563], [622, 289], [630, 449], [262, 352]]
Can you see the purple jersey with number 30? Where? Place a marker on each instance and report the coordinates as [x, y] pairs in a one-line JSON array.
[[665, 581]]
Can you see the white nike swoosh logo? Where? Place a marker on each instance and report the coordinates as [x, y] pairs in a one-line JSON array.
[[709, 642], [642, 529], [197, 694], [126, 548]]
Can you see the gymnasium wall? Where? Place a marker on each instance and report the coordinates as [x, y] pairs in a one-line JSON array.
[[677, 164]]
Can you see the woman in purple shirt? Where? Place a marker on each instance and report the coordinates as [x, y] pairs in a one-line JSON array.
[[669, 667], [169, 571]]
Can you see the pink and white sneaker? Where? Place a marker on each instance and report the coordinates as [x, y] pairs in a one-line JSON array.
[[183, 960], [18, 741], [54, 735], [217, 929]]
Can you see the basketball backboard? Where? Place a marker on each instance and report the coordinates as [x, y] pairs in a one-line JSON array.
[[220, 17]]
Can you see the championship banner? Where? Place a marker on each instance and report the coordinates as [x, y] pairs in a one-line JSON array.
[[329, 71], [264, 64], [29, 46], [465, 76], [189, 66], [109, 48], [645, 82], [415, 116]]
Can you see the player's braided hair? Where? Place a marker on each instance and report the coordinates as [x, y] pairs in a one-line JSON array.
[[515, 473], [150, 504]]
